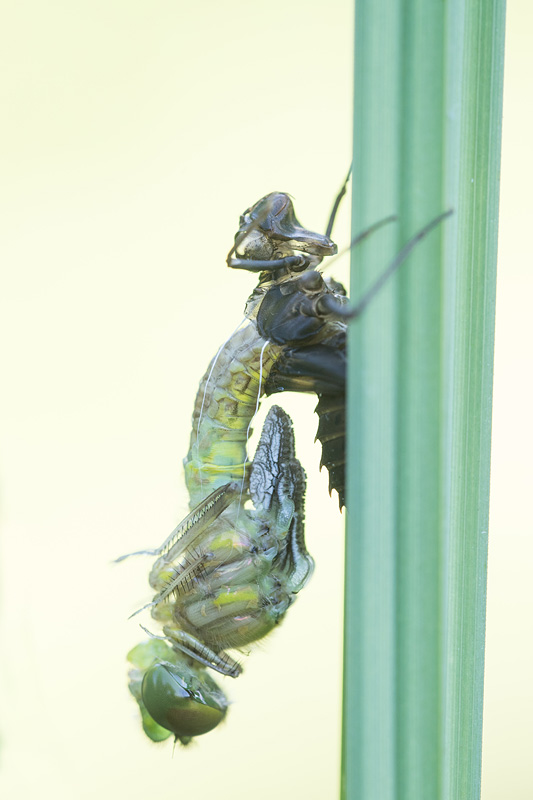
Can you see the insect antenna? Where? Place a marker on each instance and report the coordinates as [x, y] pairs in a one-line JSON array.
[[360, 238], [328, 304]]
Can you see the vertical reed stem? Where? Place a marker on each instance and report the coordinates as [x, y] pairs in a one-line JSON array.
[[427, 122]]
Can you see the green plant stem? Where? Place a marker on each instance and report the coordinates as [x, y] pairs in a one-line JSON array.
[[427, 121]]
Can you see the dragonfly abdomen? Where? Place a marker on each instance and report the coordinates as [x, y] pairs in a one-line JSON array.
[[227, 401]]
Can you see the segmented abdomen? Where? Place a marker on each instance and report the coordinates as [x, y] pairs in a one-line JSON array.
[[227, 400]]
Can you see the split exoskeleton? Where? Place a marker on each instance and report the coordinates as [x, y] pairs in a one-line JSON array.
[[304, 314], [228, 573]]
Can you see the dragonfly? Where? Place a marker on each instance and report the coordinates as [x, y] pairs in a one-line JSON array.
[[228, 573]]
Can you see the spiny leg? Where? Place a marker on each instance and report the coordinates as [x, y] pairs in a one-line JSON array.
[[197, 555], [194, 523], [194, 648]]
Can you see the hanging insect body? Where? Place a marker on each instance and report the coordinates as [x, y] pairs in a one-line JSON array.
[[227, 574]]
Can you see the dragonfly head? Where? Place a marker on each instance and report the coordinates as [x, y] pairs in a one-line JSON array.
[[184, 700], [269, 231]]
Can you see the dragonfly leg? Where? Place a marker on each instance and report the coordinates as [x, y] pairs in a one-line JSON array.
[[194, 523], [193, 647]]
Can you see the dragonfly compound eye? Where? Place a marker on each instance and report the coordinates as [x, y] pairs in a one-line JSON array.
[[186, 703]]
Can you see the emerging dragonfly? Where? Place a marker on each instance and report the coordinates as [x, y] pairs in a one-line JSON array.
[[229, 572]]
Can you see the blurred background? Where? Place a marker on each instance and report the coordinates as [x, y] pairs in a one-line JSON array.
[[134, 136]]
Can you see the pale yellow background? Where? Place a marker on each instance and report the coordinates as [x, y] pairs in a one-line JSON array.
[[134, 134]]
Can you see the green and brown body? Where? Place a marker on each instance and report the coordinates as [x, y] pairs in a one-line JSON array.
[[226, 403], [223, 579], [228, 573]]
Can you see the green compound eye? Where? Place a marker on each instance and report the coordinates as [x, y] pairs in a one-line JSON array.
[[185, 703]]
